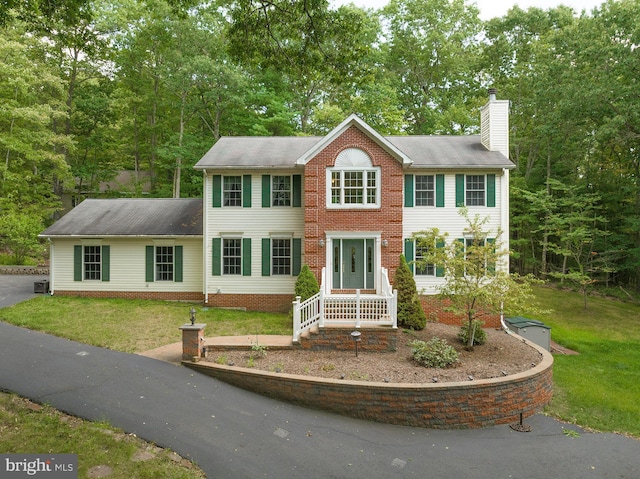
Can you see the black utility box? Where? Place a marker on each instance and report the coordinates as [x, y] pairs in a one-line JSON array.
[[41, 286]]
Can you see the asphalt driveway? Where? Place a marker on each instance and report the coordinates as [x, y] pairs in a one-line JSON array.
[[15, 288], [231, 433]]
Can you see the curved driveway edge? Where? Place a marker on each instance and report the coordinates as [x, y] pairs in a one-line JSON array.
[[232, 433]]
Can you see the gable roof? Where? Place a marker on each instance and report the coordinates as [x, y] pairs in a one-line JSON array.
[[353, 120], [130, 217], [436, 151]]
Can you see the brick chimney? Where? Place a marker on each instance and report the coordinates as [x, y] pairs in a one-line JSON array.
[[494, 124]]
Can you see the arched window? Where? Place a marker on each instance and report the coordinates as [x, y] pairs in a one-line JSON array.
[[353, 181]]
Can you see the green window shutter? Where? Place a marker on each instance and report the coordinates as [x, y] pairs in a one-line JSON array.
[[149, 263], [296, 260], [491, 267], [491, 191], [439, 268], [266, 257], [216, 256], [459, 190], [177, 264], [246, 256], [106, 261], [246, 191], [216, 186], [266, 191], [439, 191], [77, 262], [408, 191], [408, 252], [297, 191]]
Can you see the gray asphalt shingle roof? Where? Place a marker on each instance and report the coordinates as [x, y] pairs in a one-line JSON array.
[[131, 217], [442, 152]]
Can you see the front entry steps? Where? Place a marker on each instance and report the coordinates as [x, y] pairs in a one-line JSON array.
[[374, 338]]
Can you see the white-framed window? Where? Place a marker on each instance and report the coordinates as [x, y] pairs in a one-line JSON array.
[[353, 181], [475, 192], [232, 256], [281, 190], [422, 268], [354, 188], [92, 262], [280, 256], [232, 191], [425, 190], [164, 262]]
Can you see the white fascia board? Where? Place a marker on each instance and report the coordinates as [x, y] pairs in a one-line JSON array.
[[354, 120]]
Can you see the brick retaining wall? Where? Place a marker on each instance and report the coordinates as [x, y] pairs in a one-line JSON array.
[[472, 404]]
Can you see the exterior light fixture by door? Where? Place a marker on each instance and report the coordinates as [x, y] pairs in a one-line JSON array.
[[356, 339], [321, 243], [385, 243]]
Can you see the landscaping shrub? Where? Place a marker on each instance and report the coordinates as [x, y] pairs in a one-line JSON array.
[[435, 353], [479, 336], [410, 312], [306, 284]]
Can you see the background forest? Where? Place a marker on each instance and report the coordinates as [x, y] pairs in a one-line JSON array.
[[91, 90]]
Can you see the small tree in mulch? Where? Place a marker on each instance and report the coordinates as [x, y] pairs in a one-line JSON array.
[[306, 284], [410, 312]]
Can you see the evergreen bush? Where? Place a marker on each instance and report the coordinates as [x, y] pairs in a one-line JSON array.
[[410, 312], [306, 284]]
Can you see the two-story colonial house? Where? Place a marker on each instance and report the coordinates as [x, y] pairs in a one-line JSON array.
[[346, 204]]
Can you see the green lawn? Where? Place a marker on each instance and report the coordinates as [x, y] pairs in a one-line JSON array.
[[598, 388], [28, 428], [148, 324]]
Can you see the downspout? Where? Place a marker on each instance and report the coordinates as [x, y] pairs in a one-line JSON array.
[[51, 269], [504, 215], [205, 268]]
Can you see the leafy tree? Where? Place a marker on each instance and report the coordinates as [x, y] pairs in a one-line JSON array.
[[432, 48], [31, 96], [476, 278], [410, 313], [19, 233]]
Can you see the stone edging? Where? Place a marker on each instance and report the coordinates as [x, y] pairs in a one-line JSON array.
[[472, 404], [35, 270]]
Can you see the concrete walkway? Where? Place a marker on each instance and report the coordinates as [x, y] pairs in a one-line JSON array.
[[172, 353]]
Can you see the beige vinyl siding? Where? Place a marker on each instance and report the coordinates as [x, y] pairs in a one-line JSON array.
[[447, 219], [255, 223], [127, 266]]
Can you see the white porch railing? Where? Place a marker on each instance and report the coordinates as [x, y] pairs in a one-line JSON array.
[[346, 309]]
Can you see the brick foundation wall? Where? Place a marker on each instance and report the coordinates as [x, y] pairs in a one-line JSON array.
[[269, 303], [434, 310], [472, 404], [165, 296], [377, 339]]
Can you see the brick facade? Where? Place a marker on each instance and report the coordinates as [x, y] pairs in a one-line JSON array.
[[387, 219], [268, 303]]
